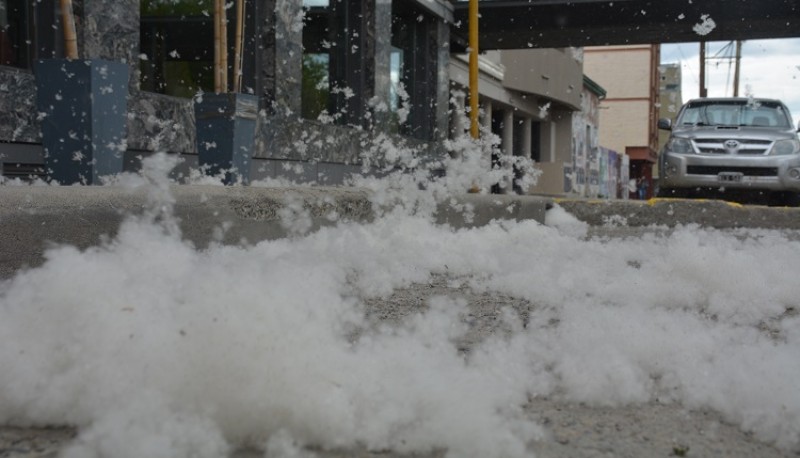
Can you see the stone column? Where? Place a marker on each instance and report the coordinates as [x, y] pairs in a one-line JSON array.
[[279, 56], [382, 79], [264, 13], [288, 58], [109, 30]]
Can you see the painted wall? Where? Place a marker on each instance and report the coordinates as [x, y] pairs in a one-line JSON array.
[[628, 74], [556, 74], [594, 171]]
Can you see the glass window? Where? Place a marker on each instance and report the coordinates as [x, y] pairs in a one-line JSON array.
[[316, 85], [736, 113], [177, 46], [15, 39], [334, 42], [414, 61], [317, 44], [395, 74]]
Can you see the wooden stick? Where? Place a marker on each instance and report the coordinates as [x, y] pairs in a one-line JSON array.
[[70, 36], [239, 45], [223, 45], [217, 46]]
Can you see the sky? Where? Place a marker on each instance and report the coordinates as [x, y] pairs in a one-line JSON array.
[[769, 68], [156, 348]]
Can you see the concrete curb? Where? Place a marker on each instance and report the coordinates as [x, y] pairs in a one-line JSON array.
[[673, 212], [34, 218]]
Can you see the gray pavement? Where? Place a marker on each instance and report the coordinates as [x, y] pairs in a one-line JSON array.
[[31, 218], [716, 214], [573, 430]]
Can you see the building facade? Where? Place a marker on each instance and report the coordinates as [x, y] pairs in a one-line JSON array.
[[629, 113], [328, 77], [351, 58]]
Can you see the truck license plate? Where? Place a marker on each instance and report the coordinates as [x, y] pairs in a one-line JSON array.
[[730, 177]]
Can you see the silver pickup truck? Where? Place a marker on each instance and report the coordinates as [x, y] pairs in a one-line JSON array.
[[741, 145]]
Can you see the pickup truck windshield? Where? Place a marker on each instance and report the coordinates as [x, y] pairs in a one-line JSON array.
[[735, 113]]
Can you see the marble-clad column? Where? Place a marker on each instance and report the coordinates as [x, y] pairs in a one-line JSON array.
[[288, 58], [383, 49], [279, 56], [278, 69], [109, 29], [441, 114]]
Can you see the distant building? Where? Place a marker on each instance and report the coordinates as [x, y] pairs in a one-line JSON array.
[[542, 106], [629, 112]]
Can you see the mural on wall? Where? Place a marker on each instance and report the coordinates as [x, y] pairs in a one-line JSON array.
[[578, 167], [613, 173], [595, 171]]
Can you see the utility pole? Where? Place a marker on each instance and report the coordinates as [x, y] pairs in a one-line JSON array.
[[703, 89], [737, 68]]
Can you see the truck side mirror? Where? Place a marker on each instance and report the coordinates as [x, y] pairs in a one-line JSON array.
[[666, 124]]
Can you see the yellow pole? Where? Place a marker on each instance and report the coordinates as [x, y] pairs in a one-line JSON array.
[[473, 68], [223, 46]]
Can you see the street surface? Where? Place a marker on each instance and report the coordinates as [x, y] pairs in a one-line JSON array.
[[571, 430]]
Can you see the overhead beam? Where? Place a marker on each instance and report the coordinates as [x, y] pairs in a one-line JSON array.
[[507, 24]]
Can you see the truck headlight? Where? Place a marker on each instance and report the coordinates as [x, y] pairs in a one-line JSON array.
[[784, 147], [680, 145]]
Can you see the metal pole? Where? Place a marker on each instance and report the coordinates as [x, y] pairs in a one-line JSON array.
[[703, 89], [218, 5], [737, 68], [473, 68], [223, 45]]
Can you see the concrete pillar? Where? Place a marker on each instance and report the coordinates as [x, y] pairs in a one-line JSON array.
[[507, 147], [527, 125], [486, 120], [507, 138], [548, 133]]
